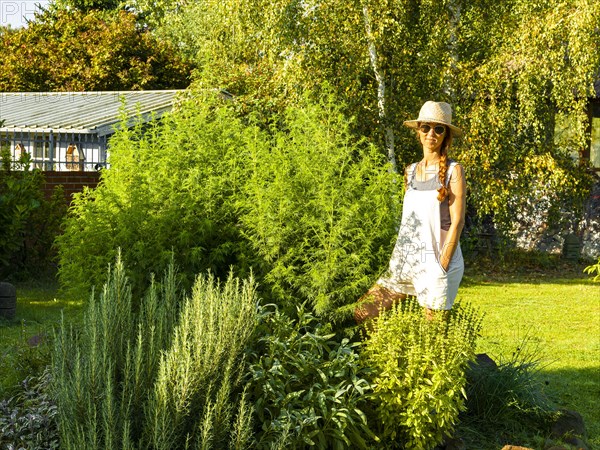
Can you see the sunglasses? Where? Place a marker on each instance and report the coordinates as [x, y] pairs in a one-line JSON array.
[[438, 129]]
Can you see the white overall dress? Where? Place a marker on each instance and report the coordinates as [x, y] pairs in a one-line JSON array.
[[414, 268]]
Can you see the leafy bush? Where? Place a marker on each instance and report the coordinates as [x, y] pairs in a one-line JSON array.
[[419, 372], [163, 376], [28, 420], [306, 387], [29, 223], [594, 269], [321, 208]]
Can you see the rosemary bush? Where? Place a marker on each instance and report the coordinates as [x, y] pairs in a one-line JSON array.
[[195, 400], [306, 386], [162, 376], [419, 372]]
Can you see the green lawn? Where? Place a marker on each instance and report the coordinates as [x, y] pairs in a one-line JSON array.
[[39, 309], [560, 316]]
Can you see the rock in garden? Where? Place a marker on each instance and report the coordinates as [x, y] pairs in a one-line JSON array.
[[568, 423], [36, 340], [579, 444], [454, 443], [483, 360]]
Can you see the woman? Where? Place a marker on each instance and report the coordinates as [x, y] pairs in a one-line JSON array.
[[427, 261]]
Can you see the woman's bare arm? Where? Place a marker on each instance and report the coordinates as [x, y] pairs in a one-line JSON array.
[[458, 205]]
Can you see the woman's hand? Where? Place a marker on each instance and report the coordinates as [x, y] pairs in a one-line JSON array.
[[445, 263]]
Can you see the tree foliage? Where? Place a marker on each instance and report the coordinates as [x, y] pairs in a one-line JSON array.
[[513, 97], [484, 57], [71, 50]]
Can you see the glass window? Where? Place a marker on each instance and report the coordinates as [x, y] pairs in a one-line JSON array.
[[41, 149], [74, 158], [41, 152]]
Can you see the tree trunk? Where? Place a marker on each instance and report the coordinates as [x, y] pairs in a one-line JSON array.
[[381, 106]]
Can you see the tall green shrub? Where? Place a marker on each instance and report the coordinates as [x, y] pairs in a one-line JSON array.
[[309, 207], [170, 190], [321, 208], [194, 398], [419, 372], [161, 376]]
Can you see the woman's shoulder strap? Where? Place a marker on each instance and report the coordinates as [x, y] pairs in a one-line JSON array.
[[451, 165], [410, 172]]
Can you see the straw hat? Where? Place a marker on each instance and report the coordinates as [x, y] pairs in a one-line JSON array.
[[438, 112]]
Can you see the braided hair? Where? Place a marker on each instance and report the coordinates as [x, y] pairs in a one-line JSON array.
[[447, 142]]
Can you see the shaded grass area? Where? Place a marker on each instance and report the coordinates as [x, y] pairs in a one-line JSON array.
[[25, 340], [558, 312]]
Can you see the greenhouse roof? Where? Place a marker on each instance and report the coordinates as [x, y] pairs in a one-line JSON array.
[[79, 112]]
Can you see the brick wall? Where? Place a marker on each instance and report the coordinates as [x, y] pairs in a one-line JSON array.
[[72, 182]]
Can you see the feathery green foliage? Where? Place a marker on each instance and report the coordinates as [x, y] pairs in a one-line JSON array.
[[321, 208], [150, 375], [309, 207], [169, 193], [419, 371]]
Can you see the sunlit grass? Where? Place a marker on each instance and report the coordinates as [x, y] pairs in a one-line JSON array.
[[561, 317]]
